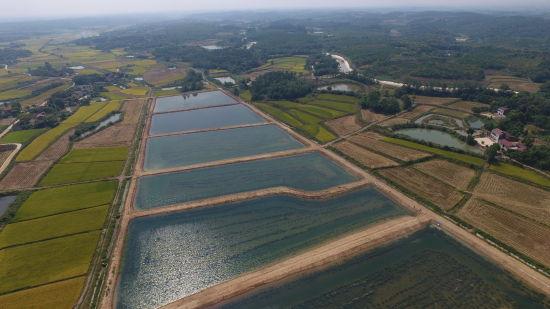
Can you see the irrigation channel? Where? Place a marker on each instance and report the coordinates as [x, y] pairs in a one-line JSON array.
[[191, 232]]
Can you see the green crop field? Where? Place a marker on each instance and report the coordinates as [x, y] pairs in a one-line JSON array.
[[443, 153], [295, 64], [42, 142], [87, 164], [58, 200], [64, 173], [309, 113], [14, 94], [62, 294], [110, 107], [521, 173], [69, 223], [22, 136], [96, 154], [46, 261]]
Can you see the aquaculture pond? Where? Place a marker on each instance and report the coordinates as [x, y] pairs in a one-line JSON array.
[[438, 137], [347, 87], [201, 119], [310, 171], [170, 256], [191, 101], [187, 149], [426, 270], [475, 123], [5, 203]]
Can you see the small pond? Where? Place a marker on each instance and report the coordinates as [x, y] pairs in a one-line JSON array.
[[438, 137], [114, 118]]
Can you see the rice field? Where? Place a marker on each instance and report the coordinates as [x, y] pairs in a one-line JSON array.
[[87, 165], [515, 196], [467, 106], [521, 173], [376, 143], [52, 201], [107, 109], [62, 294], [295, 64], [39, 144], [363, 156], [453, 174], [528, 237], [21, 136], [428, 188]]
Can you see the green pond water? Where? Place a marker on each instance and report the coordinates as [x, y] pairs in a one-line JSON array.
[[186, 149], [171, 256], [200, 119], [190, 101], [311, 171], [438, 137], [426, 270]]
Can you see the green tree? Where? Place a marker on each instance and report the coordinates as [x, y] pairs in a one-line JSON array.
[[492, 152]]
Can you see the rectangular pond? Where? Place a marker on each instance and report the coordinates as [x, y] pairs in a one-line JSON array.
[[310, 171], [187, 149], [202, 119], [427, 270], [171, 256], [192, 101]]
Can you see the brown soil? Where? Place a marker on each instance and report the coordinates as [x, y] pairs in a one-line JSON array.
[[451, 113], [467, 105], [344, 125], [417, 111], [5, 152], [515, 196], [394, 121], [6, 121], [429, 188], [363, 156], [160, 75], [56, 150], [515, 83], [526, 236], [370, 141], [24, 175], [433, 100], [453, 174], [119, 134], [369, 116]]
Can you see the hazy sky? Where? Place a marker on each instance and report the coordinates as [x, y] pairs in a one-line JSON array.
[[56, 8]]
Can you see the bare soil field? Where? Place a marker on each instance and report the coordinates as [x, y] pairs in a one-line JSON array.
[[451, 113], [429, 188], [394, 121], [515, 83], [453, 174], [343, 125], [515, 196], [417, 111], [433, 100], [161, 75], [370, 141], [526, 236], [363, 156], [24, 175], [370, 117], [467, 105], [119, 134], [6, 121]]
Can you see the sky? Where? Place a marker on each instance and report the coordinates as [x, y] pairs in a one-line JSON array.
[[63, 8]]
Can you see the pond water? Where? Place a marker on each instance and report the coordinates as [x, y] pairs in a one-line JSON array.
[[426, 270], [191, 101], [342, 87], [438, 137], [226, 79], [114, 118], [170, 256], [186, 149], [475, 123], [5, 203], [310, 171], [201, 119]]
